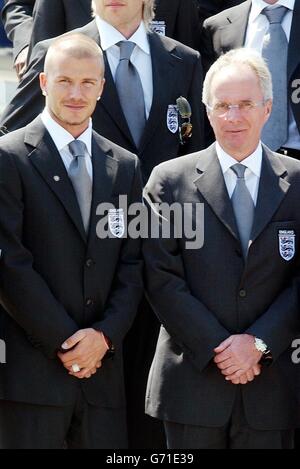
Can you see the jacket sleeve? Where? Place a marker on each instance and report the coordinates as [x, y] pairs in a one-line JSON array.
[[192, 326], [17, 21]]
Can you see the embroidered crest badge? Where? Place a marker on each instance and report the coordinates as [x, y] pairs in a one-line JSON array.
[[287, 244]]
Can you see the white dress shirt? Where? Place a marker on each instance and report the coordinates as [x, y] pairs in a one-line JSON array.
[[140, 58], [252, 173], [258, 26], [62, 138]]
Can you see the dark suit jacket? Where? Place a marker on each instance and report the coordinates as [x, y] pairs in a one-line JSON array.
[[177, 71], [29, 21], [203, 296], [181, 18], [53, 279], [227, 31], [17, 21]]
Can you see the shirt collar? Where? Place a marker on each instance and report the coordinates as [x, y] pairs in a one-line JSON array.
[[110, 36], [62, 137], [253, 162], [258, 6]]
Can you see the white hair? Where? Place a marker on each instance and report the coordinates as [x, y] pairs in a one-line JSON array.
[[242, 56]]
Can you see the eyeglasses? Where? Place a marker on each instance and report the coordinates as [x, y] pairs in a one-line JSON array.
[[185, 125], [244, 107]]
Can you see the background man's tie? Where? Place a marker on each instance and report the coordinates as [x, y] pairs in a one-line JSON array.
[[81, 180], [275, 51], [243, 206], [130, 90]]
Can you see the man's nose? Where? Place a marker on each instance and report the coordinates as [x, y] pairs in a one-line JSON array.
[[233, 114], [75, 92]]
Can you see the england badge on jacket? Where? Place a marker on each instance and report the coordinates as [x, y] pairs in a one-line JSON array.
[[287, 244]]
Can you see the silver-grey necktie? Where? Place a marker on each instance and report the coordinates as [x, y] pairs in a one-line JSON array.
[[275, 51], [243, 206], [81, 180], [130, 91]]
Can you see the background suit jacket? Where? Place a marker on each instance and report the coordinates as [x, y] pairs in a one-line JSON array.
[[54, 279], [177, 71], [227, 31], [29, 21], [209, 8], [203, 296], [17, 21]]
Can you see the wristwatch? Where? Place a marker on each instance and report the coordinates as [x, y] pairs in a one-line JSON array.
[[111, 349], [261, 346]]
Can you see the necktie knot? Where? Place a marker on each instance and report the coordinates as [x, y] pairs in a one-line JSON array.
[[126, 49], [77, 148], [239, 170], [275, 15]]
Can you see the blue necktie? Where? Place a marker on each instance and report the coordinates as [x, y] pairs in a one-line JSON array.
[[81, 180], [275, 52]]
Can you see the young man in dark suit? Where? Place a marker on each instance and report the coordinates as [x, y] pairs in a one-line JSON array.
[[224, 374], [166, 70], [69, 290]]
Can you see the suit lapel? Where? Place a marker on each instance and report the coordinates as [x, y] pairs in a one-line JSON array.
[[293, 57], [272, 190], [212, 186], [234, 33], [164, 62], [47, 161], [105, 169]]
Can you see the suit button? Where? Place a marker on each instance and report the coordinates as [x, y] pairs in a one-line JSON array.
[[89, 262], [89, 302], [242, 293]]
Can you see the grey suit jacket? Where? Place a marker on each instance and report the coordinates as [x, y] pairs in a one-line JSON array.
[[227, 31], [203, 296], [54, 279]]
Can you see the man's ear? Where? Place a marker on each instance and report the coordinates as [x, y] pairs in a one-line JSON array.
[[43, 83]]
